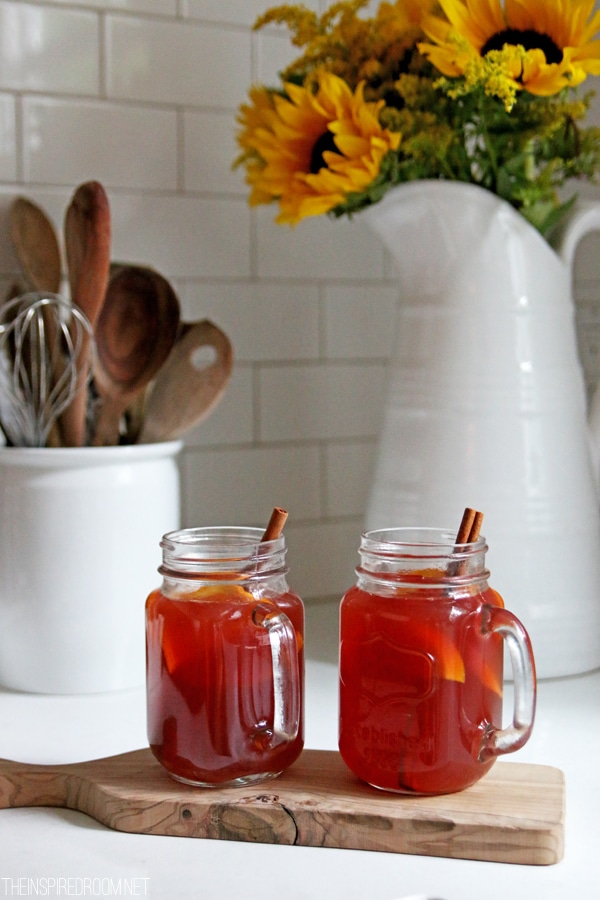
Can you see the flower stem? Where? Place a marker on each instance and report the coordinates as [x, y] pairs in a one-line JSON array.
[[489, 144]]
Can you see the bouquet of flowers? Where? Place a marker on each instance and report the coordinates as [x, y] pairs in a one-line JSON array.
[[479, 91]]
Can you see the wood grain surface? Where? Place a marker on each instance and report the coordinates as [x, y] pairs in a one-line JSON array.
[[514, 815]]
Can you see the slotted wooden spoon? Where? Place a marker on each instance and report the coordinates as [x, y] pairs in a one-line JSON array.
[[187, 389]]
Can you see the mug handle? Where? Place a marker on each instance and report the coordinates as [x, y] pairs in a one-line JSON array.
[[286, 674], [497, 741]]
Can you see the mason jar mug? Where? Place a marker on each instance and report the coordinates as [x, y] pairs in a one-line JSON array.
[[225, 658], [421, 665]]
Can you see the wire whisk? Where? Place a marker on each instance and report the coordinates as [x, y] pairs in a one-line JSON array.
[[42, 366]]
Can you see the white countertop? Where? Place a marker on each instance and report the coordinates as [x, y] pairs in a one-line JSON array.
[[37, 844]]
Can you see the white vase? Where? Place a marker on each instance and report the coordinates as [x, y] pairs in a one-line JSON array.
[[486, 405], [80, 533]]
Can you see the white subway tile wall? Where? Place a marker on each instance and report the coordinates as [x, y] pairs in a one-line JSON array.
[[142, 95]]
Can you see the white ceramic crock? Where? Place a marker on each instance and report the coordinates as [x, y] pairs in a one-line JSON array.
[[79, 549]]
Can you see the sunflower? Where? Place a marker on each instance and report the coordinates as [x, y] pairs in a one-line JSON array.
[[310, 148], [545, 47]]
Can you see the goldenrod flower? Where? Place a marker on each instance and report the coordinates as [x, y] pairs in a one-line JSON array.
[[406, 13], [479, 91], [356, 48], [309, 149], [543, 46]]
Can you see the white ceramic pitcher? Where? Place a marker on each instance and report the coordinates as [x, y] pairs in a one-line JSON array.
[[486, 405]]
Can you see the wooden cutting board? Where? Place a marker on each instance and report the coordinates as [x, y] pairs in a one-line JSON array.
[[515, 814]]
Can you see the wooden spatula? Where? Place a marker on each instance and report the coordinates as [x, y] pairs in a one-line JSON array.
[[35, 241], [87, 242], [36, 245]]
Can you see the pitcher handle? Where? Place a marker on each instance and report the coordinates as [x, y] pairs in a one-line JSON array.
[[584, 218]]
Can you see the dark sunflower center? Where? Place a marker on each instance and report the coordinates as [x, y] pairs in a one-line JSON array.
[[529, 39], [322, 145]]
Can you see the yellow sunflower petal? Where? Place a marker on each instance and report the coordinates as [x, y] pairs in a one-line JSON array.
[[474, 19]]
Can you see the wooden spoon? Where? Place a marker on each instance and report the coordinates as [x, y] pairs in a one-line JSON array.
[[36, 245], [87, 243], [186, 390], [135, 332]]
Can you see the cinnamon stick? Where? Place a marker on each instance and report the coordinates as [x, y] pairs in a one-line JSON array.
[[475, 528], [462, 536], [468, 533], [275, 526], [470, 526]]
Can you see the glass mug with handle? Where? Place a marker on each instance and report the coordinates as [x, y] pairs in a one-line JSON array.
[[422, 638], [225, 658]]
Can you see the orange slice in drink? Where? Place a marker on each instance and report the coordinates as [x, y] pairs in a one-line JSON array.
[[450, 662], [220, 592], [177, 639], [491, 679]]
